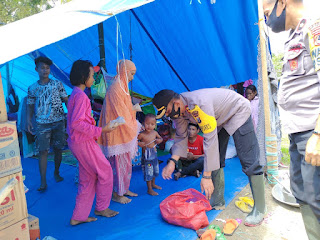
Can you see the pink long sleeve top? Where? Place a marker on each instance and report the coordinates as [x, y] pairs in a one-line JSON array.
[[80, 124], [255, 111]]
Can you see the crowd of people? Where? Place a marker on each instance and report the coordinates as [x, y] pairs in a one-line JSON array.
[[104, 152]]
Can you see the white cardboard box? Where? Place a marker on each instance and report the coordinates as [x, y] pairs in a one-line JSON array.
[[14, 207], [17, 231], [10, 161]]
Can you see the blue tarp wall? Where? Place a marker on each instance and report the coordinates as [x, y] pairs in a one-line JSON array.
[[179, 45]]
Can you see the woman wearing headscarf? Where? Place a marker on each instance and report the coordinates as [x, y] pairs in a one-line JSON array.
[[120, 145]]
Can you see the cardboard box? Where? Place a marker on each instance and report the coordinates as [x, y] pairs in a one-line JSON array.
[[34, 227], [14, 207], [17, 231], [10, 161]]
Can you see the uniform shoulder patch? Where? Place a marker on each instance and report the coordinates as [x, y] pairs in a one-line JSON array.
[[314, 43]]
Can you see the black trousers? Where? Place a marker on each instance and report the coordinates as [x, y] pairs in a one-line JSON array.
[[247, 147], [304, 178]]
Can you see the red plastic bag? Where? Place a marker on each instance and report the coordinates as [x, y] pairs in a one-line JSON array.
[[187, 209]]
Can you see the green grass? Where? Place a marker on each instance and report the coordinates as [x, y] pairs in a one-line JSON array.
[[285, 150]]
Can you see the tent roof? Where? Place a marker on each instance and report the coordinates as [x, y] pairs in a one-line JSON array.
[[31, 33], [175, 45]]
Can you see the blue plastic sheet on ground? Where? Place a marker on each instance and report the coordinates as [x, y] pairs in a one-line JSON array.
[[140, 219]]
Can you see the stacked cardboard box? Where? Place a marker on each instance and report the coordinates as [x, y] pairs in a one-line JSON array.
[[13, 209], [10, 161], [34, 227]]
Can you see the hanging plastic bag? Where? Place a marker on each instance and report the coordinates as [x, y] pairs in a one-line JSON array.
[[98, 88], [187, 209]]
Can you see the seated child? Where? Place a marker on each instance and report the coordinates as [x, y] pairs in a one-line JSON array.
[[148, 139], [193, 164]]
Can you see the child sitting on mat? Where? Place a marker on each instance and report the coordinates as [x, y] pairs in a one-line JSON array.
[[193, 164], [95, 172], [148, 140]]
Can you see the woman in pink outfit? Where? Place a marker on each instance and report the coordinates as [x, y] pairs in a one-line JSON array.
[[252, 96], [95, 172]]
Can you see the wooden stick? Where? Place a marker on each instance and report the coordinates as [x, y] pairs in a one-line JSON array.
[[270, 150]]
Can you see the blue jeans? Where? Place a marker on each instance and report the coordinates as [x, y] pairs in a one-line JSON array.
[[150, 164], [196, 165]]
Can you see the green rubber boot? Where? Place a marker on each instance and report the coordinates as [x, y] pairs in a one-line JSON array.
[[310, 221], [255, 218], [217, 201]]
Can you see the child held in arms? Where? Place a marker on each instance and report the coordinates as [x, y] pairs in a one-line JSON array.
[[148, 140], [193, 164]]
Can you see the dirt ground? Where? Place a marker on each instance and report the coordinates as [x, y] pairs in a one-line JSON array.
[[282, 222]]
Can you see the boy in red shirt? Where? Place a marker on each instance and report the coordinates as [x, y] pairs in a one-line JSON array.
[[193, 164]]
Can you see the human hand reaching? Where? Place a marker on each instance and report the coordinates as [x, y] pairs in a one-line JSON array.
[[190, 156], [142, 144], [312, 155], [137, 107], [207, 187], [168, 170], [109, 127]]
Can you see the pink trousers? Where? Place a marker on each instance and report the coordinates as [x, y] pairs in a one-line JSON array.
[[95, 178]]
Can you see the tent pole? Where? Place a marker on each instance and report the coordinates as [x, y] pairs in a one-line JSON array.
[[101, 46], [3, 110], [271, 139], [8, 78]]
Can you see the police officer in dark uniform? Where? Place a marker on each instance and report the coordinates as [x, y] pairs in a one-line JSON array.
[[299, 100]]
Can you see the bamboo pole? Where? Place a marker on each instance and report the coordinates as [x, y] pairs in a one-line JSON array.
[[271, 139], [3, 109], [101, 46]]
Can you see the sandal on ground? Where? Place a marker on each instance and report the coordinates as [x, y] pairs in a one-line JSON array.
[[214, 227], [209, 234], [219, 234], [247, 200], [42, 189], [242, 206], [230, 227]]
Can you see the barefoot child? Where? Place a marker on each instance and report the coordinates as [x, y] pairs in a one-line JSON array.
[[95, 172], [148, 139]]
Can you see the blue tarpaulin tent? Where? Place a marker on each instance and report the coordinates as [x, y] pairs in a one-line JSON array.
[[181, 45], [177, 44]]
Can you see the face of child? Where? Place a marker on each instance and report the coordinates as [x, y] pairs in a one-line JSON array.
[[43, 70], [90, 79], [250, 94], [192, 131], [150, 124]]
